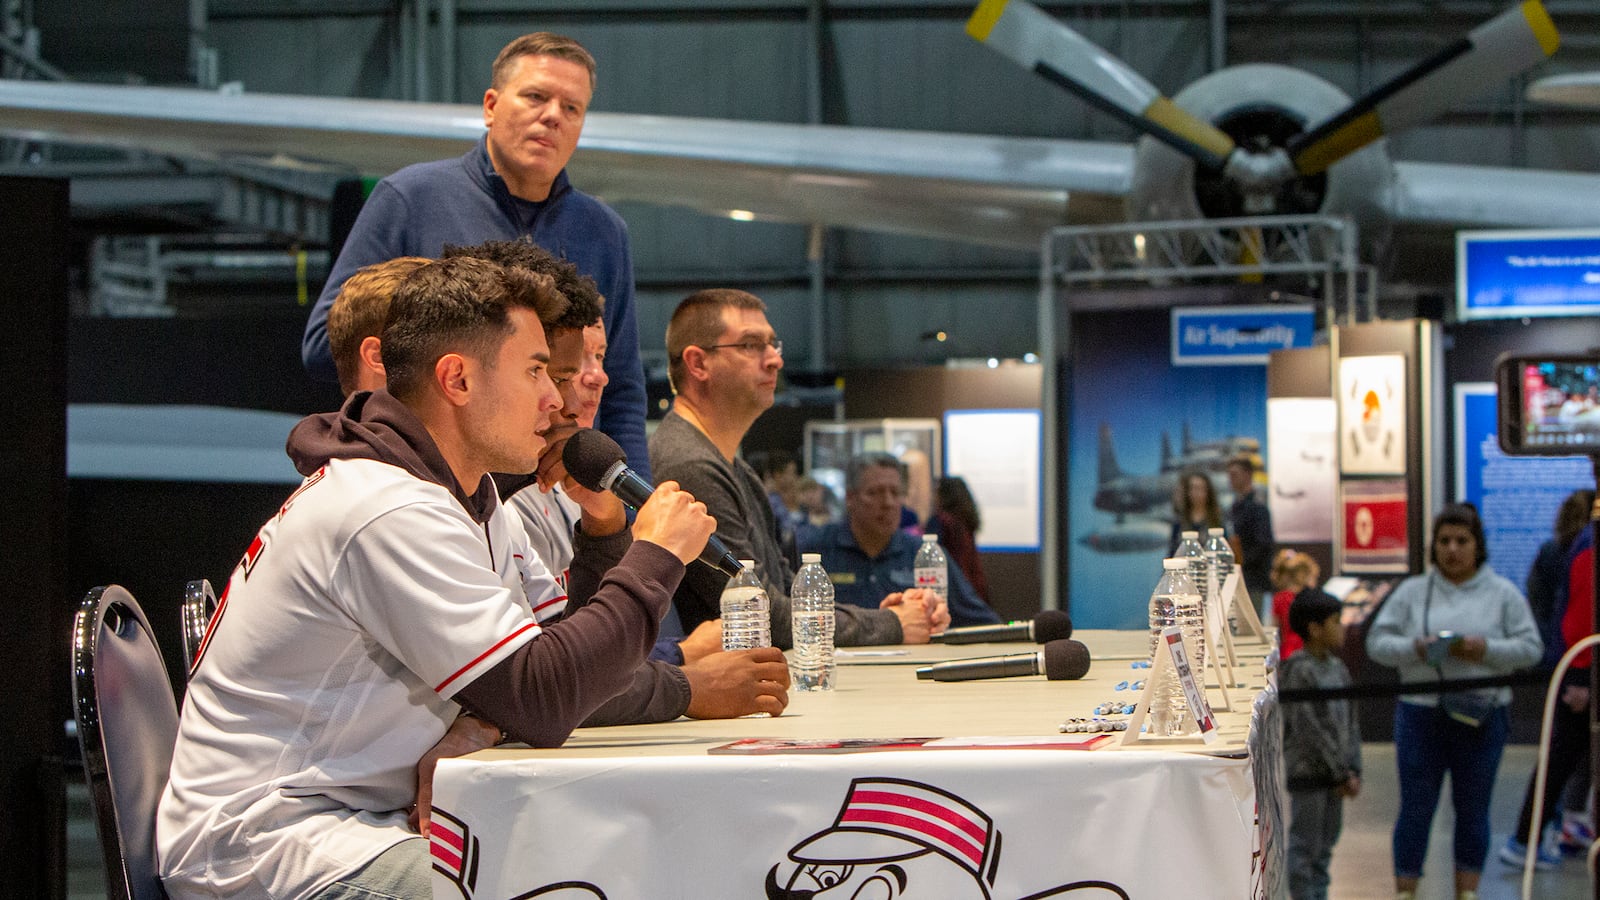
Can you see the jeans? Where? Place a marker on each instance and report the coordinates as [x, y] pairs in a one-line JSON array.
[[1428, 744], [1569, 750], [402, 872], [1315, 818]]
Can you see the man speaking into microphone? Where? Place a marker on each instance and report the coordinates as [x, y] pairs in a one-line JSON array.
[[868, 557]]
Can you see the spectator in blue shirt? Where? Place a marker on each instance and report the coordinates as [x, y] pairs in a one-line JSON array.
[[869, 557]]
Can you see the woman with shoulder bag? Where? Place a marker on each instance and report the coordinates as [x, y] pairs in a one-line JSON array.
[[1459, 620]]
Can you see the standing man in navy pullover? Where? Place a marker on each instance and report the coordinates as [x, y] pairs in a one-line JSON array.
[[512, 184]]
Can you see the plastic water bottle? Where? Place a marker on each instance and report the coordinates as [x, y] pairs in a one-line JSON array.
[[811, 598], [932, 568], [1220, 554], [746, 611], [1173, 602], [1191, 549]]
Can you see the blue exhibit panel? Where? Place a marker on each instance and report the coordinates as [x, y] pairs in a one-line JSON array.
[[1503, 274], [1517, 496]]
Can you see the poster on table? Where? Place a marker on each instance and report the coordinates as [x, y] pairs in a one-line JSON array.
[[1516, 496], [997, 453], [1374, 533], [1372, 415], [962, 824], [1305, 477], [1136, 422]]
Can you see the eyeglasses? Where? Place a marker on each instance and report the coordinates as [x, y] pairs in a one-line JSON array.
[[754, 348]]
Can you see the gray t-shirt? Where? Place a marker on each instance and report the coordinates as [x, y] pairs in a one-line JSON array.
[[734, 496]]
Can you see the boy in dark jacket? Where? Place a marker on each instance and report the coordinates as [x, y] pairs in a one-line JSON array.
[[1321, 743]]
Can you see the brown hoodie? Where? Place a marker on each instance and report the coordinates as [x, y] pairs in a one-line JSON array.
[[552, 683]]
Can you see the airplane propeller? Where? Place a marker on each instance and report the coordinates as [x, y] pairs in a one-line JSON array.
[[1260, 167], [1500, 48]]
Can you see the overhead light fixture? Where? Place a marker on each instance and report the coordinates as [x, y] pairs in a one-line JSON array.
[[741, 215], [994, 363], [1030, 358]]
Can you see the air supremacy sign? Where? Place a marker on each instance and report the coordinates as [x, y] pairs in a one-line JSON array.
[[1238, 335]]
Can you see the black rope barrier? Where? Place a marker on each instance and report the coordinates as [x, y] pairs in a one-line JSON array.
[[1370, 690]]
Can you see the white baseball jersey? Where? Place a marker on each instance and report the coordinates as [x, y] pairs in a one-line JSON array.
[[549, 520], [355, 616]]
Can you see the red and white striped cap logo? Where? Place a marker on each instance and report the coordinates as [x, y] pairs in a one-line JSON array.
[[912, 812]]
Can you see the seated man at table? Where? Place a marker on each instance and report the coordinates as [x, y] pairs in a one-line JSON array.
[[723, 359], [391, 594], [714, 684], [869, 557]]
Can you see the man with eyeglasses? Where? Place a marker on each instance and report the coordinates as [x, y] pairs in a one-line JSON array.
[[869, 556], [723, 361]]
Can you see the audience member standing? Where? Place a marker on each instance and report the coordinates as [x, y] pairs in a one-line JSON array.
[[956, 521], [1250, 523], [1292, 573], [1547, 577], [1569, 731], [1195, 502], [1321, 743], [1460, 620], [512, 185]]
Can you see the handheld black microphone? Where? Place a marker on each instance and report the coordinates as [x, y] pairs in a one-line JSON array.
[[1050, 625], [598, 463], [1059, 660]]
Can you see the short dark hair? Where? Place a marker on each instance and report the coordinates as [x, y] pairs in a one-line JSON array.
[[860, 464], [458, 305], [1311, 605], [584, 303], [1464, 515], [1243, 461], [539, 43], [953, 496], [698, 322]]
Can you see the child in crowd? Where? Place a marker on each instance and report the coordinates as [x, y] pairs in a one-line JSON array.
[[1321, 743], [1292, 572]]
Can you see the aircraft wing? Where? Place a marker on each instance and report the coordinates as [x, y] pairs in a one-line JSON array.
[[992, 190], [1456, 196], [1580, 89]]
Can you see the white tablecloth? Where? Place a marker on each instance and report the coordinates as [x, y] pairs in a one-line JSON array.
[[644, 812]]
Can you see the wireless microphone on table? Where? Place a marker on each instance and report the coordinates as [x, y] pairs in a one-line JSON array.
[[1058, 660], [1050, 625]]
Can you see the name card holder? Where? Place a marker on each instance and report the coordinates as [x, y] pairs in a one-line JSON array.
[[1172, 661]]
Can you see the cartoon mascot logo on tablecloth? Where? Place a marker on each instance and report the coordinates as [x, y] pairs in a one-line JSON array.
[[902, 840], [455, 855]]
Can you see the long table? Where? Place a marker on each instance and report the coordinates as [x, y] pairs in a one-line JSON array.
[[647, 811]]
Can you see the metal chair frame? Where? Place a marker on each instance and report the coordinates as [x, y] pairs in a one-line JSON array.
[[199, 602], [125, 721]]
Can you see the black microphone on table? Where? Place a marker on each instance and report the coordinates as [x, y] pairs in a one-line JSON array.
[[596, 461], [1059, 660], [1050, 625]]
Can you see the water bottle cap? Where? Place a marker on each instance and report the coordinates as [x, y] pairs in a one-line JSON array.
[[807, 559], [930, 538], [1176, 562], [1215, 532], [748, 563], [1188, 534]]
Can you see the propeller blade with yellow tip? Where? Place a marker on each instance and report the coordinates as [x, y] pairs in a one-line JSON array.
[[1027, 35], [1494, 51]]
